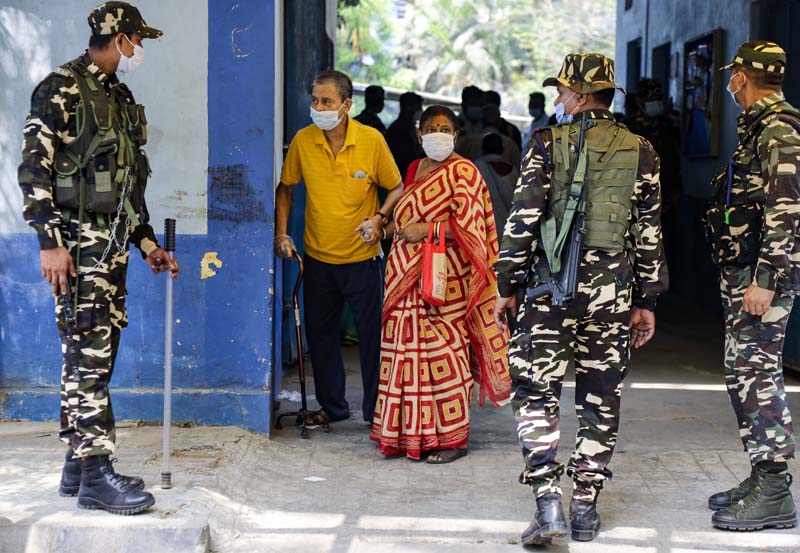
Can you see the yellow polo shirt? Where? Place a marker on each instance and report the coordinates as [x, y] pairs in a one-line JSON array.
[[341, 190]]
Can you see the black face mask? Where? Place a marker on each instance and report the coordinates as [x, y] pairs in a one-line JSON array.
[[536, 113]]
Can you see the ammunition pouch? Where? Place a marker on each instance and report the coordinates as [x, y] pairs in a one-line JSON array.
[[110, 132], [736, 238]]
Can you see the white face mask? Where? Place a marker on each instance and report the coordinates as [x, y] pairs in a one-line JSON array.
[[127, 64], [561, 108], [438, 145], [734, 92], [326, 120]]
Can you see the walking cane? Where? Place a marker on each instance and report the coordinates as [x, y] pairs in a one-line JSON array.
[[303, 413], [169, 245]]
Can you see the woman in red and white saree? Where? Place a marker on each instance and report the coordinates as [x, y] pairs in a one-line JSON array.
[[431, 356]]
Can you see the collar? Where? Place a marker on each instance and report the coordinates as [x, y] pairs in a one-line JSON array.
[[94, 70], [746, 118], [349, 137], [597, 114]]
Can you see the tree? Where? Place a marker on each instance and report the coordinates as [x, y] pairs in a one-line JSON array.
[[441, 46]]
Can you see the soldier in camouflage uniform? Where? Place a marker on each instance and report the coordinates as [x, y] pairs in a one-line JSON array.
[[621, 273], [752, 224], [83, 175]]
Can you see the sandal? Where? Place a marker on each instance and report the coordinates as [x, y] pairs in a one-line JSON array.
[[315, 419], [442, 456]]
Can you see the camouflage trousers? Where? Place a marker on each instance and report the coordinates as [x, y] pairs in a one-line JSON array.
[[87, 419], [754, 371], [593, 333]]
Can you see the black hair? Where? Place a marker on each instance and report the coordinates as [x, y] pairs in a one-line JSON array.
[[374, 96], [435, 110], [537, 96], [764, 79], [343, 83], [472, 95], [101, 42], [492, 144], [410, 100], [492, 97], [605, 97]]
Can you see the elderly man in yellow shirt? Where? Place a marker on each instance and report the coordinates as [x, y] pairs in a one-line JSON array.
[[341, 162]]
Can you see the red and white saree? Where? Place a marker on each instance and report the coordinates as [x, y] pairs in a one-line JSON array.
[[430, 356]]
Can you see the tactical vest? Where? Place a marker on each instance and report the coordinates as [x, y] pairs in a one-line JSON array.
[[612, 166], [734, 217], [104, 158]]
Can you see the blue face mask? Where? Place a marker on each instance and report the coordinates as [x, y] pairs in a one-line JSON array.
[[561, 115], [536, 113]]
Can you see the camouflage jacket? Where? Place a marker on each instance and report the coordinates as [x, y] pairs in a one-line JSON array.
[[777, 149], [518, 247], [51, 123]]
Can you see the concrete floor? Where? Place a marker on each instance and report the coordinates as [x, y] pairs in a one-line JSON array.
[[240, 492]]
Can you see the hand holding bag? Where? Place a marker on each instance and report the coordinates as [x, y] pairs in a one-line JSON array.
[[434, 267]]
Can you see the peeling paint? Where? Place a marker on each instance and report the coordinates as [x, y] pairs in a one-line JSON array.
[[209, 258]]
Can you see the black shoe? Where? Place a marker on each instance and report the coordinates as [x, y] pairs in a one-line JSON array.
[[583, 519], [548, 522], [768, 505], [71, 477], [723, 500], [102, 488]]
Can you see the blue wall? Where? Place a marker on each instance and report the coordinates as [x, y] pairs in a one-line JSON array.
[[223, 324]]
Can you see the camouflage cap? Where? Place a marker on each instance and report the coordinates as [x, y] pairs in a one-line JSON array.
[[760, 55], [110, 18], [585, 73]]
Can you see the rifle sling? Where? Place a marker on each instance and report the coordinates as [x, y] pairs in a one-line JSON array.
[[553, 240]]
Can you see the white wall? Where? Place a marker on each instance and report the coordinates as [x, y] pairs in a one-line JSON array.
[[678, 21], [38, 35]]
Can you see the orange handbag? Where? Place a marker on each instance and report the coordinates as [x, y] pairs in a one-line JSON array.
[[434, 267]]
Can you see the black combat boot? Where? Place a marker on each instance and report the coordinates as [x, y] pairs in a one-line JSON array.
[[71, 477], [768, 505], [102, 488], [723, 500], [583, 519], [548, 522]]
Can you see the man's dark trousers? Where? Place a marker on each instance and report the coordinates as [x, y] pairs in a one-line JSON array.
[[326, 287]]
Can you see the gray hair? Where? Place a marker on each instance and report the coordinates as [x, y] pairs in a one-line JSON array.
[[343, 83]]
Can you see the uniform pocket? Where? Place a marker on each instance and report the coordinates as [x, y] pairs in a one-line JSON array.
[[354, 192], [67, 181], [101, 193]]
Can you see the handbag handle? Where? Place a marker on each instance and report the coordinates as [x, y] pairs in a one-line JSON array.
[[435, 229]]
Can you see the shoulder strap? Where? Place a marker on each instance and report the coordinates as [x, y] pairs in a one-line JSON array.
[[94, 118]]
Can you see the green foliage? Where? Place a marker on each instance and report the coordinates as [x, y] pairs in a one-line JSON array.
[[441, 46]]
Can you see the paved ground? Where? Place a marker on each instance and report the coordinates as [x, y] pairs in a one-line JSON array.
[[240, 492]]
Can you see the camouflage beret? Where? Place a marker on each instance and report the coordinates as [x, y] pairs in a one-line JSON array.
[[585, 73], [760, 55], [111, 18]]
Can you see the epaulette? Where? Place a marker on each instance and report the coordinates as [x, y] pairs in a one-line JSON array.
[[62, 71]]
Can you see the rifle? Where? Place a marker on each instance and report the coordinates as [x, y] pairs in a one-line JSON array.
[[67, 316], [562, 285]]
